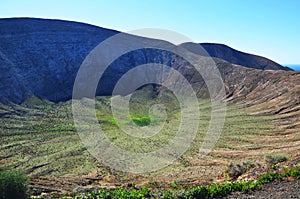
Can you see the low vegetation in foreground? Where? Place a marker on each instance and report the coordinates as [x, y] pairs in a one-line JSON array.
[[175, 191], [13, 184]]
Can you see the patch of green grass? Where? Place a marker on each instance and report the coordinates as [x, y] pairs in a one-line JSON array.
[[113, 121], [142, 121]]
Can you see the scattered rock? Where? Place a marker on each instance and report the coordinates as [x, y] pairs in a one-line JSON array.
[[86, 189], [38, 190]]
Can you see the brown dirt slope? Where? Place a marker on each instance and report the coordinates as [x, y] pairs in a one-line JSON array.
[[266, 92]]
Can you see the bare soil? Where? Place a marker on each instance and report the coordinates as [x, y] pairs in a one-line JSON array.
[[281, 189]]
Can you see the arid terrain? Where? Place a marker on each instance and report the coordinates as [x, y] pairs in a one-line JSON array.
[[38, 134]]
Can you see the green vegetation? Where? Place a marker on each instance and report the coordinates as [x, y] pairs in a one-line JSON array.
[[174, 184], [214, 190], [270, 177], [113, 121], [42, 140], [13, 184], [142, 121], [273, 159], [211, 191]]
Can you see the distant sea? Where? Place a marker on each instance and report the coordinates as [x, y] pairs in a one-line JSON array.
[[293, 66]]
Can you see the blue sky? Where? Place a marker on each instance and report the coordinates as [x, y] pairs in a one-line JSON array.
[[266, 27]]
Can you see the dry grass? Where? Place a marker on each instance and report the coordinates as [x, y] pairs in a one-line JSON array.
[[42, 140]]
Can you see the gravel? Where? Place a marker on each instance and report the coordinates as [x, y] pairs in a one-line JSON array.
[[278, 189]]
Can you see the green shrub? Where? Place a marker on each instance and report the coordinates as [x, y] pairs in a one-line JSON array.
[[295, 173], [153, 184], [142, 121], [102, 193], [251, 185], [131, 194], [215, 190], [167, 194], [197, 192], [174, 185], [269, 177], [112, 121], [273, 159], [13, 184]]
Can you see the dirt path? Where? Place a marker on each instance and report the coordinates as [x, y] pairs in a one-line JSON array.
[[278, 189]]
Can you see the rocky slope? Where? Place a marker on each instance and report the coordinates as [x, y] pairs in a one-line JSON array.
[[233, 56], [41, 57], [265, 92]]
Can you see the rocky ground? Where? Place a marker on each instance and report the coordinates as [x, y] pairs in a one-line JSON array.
[[280, 189]]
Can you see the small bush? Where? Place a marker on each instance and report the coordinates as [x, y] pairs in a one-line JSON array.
[[291, 172], [13, 184], [174, 185], [197, 192], [131, 194], [153, 184], [269, 177], [251, 185], [167, 194], [235, 170], [215, 190], [273, 159], [295, 173]]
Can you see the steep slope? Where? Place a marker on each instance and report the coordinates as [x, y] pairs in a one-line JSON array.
[[44, 55], [265, 92], [233, 56], [11, 88], [41, 57]]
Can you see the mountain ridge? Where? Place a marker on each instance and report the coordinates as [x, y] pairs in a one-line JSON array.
[[43, 61], [41, 57], [234, 56]]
